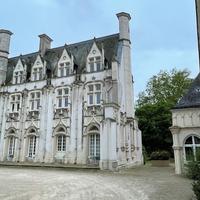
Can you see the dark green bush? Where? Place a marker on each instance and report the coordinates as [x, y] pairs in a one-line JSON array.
[[193, 170], [196, 189], [160, 155]]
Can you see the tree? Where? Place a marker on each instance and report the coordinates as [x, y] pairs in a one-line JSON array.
[[165, 87], [154, 105]]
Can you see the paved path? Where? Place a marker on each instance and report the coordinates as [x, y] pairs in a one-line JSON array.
[[141, 183]]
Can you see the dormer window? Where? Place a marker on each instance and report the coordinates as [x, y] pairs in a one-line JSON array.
[[65, 64], [64, 69], [19, 73], [94, 59], [38, 70], [95, 64], [15, 103]]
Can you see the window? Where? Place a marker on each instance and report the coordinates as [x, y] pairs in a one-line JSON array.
[[34, 101], [62, 97], [11, 147], [18, 77], [95, 64], [61, 143], [94, 94], [94, 146], [64, 69], [32, 146], [191, 147], [15, 102], [37, 73]]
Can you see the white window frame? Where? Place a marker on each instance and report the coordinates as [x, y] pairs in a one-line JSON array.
[[15, 102], [193, 146], [62, 97], [95, 94], [17, 77], [94, 61], [61, 143], [64, 68], [34, 100], [11, 146], [94, 145], [32, 139], [37, 73]]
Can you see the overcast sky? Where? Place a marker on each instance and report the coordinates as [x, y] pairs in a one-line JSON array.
[[163, 32]]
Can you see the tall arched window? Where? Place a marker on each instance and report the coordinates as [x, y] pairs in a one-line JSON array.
[[11, 146], [61, 140], [32, 143], [94, 143], [191, 147]]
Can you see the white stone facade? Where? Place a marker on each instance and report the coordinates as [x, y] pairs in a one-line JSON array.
[[71, 105]]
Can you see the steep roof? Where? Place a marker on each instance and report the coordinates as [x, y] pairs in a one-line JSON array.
[[79, 50], [192, 98]]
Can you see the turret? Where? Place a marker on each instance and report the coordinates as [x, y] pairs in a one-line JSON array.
[[4, 52]]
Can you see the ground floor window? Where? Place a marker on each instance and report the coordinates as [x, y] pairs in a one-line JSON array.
[[61, 143], [11, 147], [32, 146], [192, 148], [94, 146]]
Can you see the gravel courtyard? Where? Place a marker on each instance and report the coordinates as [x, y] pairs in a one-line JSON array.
[[141, 183]]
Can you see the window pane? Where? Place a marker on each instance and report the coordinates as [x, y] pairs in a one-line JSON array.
[[98, 66], [66, 101], [189, 153], [38, 95], [61, 72], [18, 107], [197, 140], [189, 140], [38, 103], [18, 97], [91, 99], [98, 87], [67, 71], [90, 88], [60, 92], [91, 67], [32, 95], [66, 91], [91, 59], [59, 102], [32, 105], [98, 96]]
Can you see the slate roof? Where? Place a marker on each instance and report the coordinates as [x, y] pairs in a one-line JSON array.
[[192, 98], [78, 50]]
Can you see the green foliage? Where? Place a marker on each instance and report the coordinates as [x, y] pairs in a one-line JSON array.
[[196, 189], [193, 170], [165, 87], [154, 105], [160, 155]]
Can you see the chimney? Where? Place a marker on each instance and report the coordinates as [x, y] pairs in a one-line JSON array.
[[4, 52], [45, 43], [124, 32]]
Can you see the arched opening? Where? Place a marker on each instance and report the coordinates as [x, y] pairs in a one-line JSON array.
[[93, 145], [11, 146], [32, 143], [192, 148]]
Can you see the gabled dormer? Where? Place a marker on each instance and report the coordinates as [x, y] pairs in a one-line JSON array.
[[94, 59], [38, 69], [65, 64], [19, 73]]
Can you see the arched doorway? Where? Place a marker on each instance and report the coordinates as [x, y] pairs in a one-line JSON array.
[[93, 145]]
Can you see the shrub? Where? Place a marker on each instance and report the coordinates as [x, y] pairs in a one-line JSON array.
[[193, 170], [159, 155], [196, 189]]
